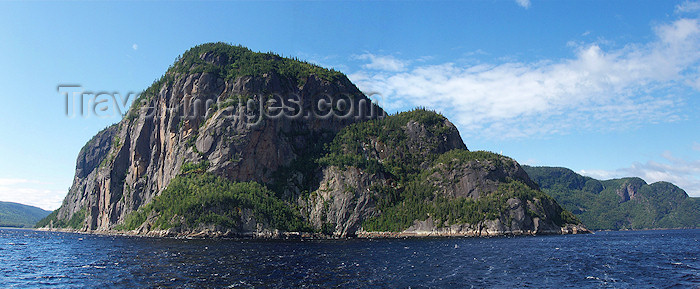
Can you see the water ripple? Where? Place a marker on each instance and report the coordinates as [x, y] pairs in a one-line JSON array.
[[665, 259]]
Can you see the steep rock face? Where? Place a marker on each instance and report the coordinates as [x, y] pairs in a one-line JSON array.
[[472, 178], [628, 191], [483, 178], [515, 220], [348, 192], [85, 186], [343, 200], [127, 165], [411, 175], [235, 143]]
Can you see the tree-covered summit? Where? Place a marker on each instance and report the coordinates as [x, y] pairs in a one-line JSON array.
[[231, 61]]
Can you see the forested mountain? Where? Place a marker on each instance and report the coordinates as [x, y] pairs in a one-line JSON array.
[[627, 203], [19, 215]]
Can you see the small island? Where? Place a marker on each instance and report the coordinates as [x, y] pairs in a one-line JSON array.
[[235, 143]]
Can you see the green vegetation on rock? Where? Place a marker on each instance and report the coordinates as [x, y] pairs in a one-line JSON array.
[[75, 222], [419, 201], [236, 61], [230, 62], [403, 155], [628, 203], [406, 147], [200, 167], [53, 216], [456, 157], [202, 198], [334, 176]]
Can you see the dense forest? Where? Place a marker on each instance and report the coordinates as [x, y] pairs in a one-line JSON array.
[[627, 203]]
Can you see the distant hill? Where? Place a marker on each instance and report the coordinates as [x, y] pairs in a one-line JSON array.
[[18, 215], [627, 203]]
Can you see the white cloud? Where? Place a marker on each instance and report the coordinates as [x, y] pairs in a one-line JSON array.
[[523, 3], [696, 146], [30, 192], [9, 182], [688, 7], [135, 46], [684, 174], [596, 89], [382, 62], [600, 174]]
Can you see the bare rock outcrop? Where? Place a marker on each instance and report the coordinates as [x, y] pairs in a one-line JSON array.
[[306, 133]]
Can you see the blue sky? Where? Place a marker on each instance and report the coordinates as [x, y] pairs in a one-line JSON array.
[[606, 88]]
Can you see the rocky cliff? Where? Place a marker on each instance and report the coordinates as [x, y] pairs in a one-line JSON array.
[[230, 142], [413, 176]]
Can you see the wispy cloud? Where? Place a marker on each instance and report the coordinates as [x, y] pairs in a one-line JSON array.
[[9, 181], [688, 7], [382, 62], [596, 89], [523, 3], [680, 172], [30, 192], [135, 46]]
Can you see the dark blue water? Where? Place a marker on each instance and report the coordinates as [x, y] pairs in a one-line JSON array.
[[664, 259]]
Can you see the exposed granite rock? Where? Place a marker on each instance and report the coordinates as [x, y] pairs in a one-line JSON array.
[[515, 222], [125, 166], [628, 191], [473, 178], [346, 196], [85, 182], [203, 114], [344, 199]]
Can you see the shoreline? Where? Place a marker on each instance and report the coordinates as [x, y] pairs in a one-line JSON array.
[[318, 236], [278, 235], [650, 229], [18, 228]]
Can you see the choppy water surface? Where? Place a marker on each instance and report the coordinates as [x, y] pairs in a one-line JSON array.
[[607, 259]]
